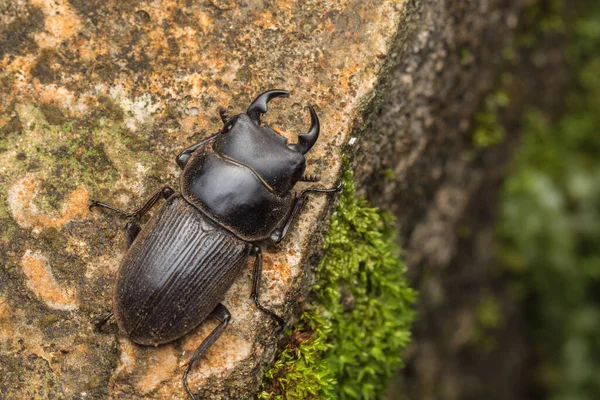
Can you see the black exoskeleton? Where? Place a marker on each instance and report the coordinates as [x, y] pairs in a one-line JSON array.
[[235, 192]]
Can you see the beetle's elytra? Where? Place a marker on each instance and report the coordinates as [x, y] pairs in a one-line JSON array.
[[235, 192]]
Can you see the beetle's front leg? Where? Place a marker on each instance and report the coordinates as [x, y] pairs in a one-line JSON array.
[[255, 295], [164, 192], [279, 233], [133, 227]]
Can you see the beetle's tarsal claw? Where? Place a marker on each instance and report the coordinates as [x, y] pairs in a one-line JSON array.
[[185, 383], [100, 324], [307, 140], [311, 178], [259, 105], [280, 323]]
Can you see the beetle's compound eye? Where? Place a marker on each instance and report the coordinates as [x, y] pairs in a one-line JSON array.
[[229, 125]]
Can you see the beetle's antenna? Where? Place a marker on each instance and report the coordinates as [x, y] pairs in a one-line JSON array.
[[259, 105], [307, 140]]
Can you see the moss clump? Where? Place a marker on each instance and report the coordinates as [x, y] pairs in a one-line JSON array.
[[490, 131], [551, 218], [349, 341]]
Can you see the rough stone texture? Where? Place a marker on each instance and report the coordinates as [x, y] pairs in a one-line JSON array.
[[97, 98]]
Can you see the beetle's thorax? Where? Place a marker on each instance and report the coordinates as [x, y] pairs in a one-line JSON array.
[[263, 151], [233, 195]]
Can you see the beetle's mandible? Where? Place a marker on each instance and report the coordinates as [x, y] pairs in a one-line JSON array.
[[235, 192]]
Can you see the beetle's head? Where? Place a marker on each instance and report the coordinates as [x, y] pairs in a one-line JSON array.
[[275, 161]]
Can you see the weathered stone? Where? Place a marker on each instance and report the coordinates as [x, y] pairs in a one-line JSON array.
[[97, 98]]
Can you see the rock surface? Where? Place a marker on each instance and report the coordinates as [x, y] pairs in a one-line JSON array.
[[97, 98]]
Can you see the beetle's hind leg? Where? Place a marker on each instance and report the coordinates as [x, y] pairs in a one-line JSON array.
[[223, 315], [255, 295]]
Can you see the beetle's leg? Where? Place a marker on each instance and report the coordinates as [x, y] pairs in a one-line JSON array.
[[164, 192], [311, 178], [185, 155], [255, 295], [279, 233], [223, 315], [103, 321]]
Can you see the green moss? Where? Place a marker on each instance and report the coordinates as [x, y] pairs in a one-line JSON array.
[[466, 56], [490, 131], [349, 341], [389, 175], [488, 312], [65, 155], [488, 319]]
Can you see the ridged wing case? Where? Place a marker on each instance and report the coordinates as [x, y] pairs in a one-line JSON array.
[[175, 273]]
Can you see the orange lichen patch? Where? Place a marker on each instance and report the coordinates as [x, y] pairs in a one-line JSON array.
[[20, 198], [205, 22], [157, 40], [267, 21], [40, 281], [188, 122], [280, 132], [161, 364], [61, 22], [62, 96], [20, 66], [272, 265], [285, 5]]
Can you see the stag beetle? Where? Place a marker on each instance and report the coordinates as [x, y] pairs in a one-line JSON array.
[[234, 194]]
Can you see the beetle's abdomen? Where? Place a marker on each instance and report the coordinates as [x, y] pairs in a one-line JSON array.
[[233, 195], [175, 273]]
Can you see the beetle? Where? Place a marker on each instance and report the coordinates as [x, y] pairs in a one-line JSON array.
[[235, 193]]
